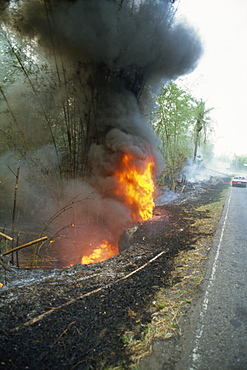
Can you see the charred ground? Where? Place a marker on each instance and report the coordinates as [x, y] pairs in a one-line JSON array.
[[80, 317]]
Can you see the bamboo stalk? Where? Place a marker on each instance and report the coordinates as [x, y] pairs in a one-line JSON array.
[[9, 108], [14, 205], [15, 122], [6, 236], [35, 91], [17, 255], [26, 245]]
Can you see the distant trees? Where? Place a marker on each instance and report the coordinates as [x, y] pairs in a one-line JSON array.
[[182, 124], [239, 163]]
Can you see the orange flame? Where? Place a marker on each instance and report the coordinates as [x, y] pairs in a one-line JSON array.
[[103, 252], [136, 185]]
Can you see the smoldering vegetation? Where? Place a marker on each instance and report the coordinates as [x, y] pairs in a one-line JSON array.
[[87, 74]]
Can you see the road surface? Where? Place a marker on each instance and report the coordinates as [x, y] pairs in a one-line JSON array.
[[217, 336]]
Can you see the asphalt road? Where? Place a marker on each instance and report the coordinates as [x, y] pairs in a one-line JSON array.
[[217, 333]]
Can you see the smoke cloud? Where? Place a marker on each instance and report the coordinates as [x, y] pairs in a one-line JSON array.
[[109, 56]]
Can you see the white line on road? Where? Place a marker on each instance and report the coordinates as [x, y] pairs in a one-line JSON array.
[[199, 331]]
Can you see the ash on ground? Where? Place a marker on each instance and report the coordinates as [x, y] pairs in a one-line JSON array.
[[77, 317]]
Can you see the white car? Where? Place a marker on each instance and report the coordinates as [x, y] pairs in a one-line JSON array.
[[239, 181]]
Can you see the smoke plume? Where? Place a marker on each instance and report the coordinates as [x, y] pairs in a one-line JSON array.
[[108, 57]]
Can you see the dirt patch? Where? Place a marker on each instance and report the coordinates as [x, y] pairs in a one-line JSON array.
[[102, 316]]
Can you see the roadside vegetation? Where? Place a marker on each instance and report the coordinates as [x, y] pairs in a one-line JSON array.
[[239, 163], [172, 303], [184, 126]]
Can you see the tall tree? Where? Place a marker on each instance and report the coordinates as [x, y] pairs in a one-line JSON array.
[[202, 125], [174, 126], [182, 124]]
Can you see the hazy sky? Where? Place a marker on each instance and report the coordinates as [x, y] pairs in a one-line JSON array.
[[221, 76]]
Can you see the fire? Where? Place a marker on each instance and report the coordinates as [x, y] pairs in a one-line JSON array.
[[103, 252], [136, 185]]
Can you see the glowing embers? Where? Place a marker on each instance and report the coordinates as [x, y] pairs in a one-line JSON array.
[[136, 186], [105, 251]]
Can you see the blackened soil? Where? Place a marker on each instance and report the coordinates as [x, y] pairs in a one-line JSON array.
[[76, 318]]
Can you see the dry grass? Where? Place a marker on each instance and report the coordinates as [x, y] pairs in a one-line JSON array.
[[172, 303]]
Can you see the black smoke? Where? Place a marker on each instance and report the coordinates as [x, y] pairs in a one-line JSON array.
[[111, 57]]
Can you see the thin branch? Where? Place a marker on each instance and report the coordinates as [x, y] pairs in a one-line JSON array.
[[34, 91], [65, 330], [5, 266], [40, 317], [14, 204], [68, 206], [26, 245], [9, 109]]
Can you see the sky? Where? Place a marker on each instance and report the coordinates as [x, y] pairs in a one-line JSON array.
[[221, 76]]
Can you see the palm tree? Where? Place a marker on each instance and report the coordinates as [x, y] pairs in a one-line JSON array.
[[201, 125]]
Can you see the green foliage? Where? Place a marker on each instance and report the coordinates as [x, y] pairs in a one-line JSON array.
[[239, 163], [182, 123]]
